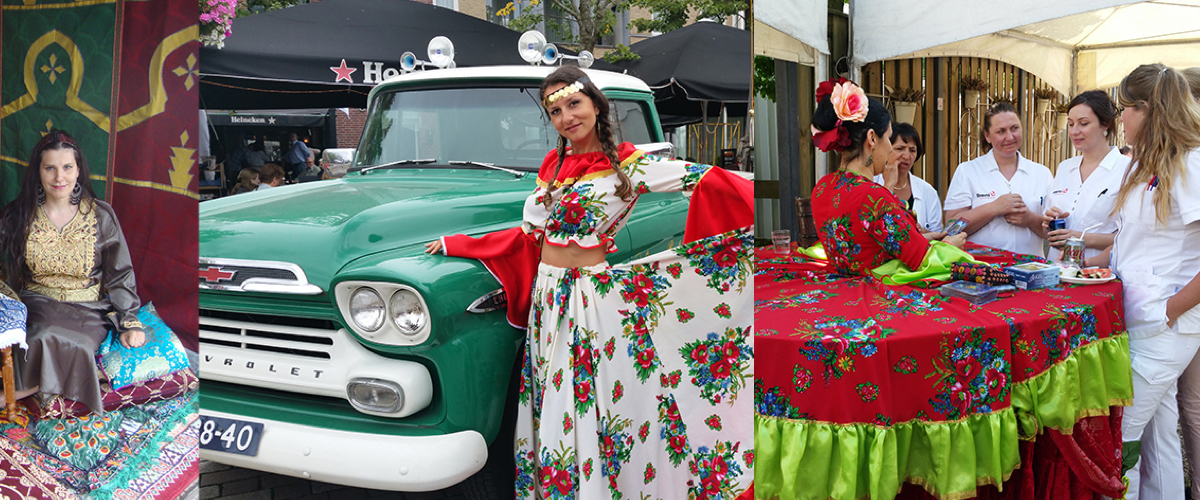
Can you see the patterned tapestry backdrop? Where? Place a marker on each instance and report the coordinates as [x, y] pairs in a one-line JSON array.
[[120, 76]]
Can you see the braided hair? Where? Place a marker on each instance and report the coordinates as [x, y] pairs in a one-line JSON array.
[[17, 216], [604, 127]]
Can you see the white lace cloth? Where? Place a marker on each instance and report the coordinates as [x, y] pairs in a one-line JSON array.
[[12, 323]]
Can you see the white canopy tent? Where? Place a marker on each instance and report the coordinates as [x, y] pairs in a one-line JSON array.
[[791, 30], [795, 31], [1073, 45]]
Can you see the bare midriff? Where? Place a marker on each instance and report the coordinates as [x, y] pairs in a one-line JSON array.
[[572, 255]]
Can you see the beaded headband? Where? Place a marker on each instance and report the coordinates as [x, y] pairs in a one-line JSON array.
[[565, 91], [60, 136]]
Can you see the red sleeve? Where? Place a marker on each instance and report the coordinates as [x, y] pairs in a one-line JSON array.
[[893, 228], [512, 257], [723, 201]]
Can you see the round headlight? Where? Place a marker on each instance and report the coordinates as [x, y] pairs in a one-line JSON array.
[[406, 312], [366, 309]]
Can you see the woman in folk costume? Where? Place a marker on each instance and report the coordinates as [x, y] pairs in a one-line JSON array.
[[863, 225], [635, 378], [65, 253]]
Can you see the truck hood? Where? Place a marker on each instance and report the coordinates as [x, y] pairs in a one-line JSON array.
[[322, 226]]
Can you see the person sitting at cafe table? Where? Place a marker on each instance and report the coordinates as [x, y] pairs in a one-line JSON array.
[[247, 181], [1001, 194], [861, 224], [269, 177]]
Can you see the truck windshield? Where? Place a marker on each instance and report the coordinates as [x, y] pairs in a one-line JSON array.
[[503, 126]]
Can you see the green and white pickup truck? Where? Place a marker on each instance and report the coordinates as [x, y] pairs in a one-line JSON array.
[[333, 348]]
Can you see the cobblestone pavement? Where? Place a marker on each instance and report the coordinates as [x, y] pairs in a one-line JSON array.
[[220, 481]]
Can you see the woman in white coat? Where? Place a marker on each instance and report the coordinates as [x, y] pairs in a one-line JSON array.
[[919, 196], [1001, 194], [1085, 186], [1157, 255]]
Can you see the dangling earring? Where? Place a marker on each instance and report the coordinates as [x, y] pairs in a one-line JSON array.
[[77, 193], [41, 195], [870, 158]]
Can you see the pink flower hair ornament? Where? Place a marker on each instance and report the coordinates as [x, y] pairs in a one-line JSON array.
[[849, 103]]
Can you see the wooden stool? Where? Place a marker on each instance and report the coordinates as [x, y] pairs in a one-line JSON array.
[[10, 403]]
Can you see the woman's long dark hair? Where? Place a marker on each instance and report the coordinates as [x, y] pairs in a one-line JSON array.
[[18, 215], [604, 127]]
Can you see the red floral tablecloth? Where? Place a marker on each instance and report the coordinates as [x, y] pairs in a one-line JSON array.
[[861, 387]]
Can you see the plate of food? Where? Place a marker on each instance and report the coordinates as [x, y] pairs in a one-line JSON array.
[[1089, 276]]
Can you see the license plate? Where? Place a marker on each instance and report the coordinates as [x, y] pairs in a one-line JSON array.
[[229, 435]]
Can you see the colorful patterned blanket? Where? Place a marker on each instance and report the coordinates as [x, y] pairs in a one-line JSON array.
[[145, 451]]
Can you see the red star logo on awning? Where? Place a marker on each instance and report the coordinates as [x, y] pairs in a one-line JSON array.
[[343, 72]]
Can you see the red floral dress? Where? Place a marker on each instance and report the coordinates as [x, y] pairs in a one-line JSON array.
[[635, 375], [863, 225]]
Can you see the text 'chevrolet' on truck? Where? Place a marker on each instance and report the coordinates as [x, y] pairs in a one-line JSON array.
[[333, 348]]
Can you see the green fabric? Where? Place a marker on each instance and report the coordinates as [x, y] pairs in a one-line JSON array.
[[816, 251], [1096, 376], [148, 455], [82, 442], [55, 44], [850, 462], [935, 266]]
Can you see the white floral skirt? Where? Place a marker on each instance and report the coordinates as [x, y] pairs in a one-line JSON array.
[[637, 378]]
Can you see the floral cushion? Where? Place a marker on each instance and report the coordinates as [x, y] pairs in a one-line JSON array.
[[160, 355], [53, 406]]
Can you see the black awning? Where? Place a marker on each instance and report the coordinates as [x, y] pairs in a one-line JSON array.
[[701, 63], [315, 118], [330, 54]]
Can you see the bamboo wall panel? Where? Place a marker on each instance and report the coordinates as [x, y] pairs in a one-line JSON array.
[[951, 135]]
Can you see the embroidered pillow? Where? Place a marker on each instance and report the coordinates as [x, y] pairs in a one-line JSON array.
[[54, 406], [82, 442], [160, 355]]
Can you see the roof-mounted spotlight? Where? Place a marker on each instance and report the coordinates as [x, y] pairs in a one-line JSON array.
[[441, 52], [534, 49], [530, 46]]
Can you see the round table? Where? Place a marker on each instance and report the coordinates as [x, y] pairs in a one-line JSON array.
[[861, 387]]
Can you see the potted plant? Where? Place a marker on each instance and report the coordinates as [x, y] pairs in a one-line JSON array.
[[1060, 111], [972, 86], [905, 100], [1044, 96]]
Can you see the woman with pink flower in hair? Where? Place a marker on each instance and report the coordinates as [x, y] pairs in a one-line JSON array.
[[861, 224]]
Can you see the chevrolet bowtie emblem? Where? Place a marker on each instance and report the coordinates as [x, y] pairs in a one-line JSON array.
[[216, 275]]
